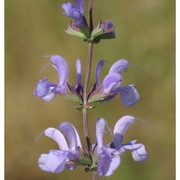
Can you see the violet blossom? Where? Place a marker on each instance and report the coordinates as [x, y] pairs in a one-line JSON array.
[[48, 90], [56, 160], [109, 154], [76, 12], [111, 85]]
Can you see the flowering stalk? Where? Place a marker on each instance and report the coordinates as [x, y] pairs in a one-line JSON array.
[[85, 92], [99, 158]]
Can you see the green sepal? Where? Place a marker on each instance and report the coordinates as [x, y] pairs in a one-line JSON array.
[[97, 32], [99, 97], [106, 36], [85, 158], [93, 166], [72, 94], [97, 94], [72, 97], [86, 31], [80, 31], [84, 161]]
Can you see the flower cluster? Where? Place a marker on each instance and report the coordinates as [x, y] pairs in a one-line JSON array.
[[100, 92], [79, 27], [102, 158], [106, 157]]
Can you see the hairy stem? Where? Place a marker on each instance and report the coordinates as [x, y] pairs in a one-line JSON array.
[[86, 83], [85, 92], [85, 96]]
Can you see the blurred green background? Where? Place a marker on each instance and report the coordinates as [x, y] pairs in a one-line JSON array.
[[145, 36]]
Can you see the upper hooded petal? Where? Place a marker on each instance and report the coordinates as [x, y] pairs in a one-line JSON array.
[[120, 129], [119, 66], [69, 8], [57, 136], [80, 5], [129, 95], [71, 134], [74, 12], [53, 162], [100, 129], [61, 66], [111, 81], [98, 71]]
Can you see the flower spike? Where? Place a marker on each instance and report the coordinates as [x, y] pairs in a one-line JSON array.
[[105, 157]]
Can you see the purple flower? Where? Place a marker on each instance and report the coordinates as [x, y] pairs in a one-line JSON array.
[[129, 95], [75, 12], [56, 160], [109, 154], [109, 158], [138, 151], [111, 85], [47, 90]]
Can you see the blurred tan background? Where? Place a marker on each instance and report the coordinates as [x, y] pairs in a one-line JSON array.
[[145, 36]]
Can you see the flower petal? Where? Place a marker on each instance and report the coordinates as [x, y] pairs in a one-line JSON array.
[[109, 161], [49, 97], [100, 129], [57, 136], [45, 90], [71, 166], [42, 88], [120, 129], [72, 135], [129, 95], [80, 5], [110, 82], [138, 151], [74, 13], [79, 73], [140, 154], [108, 26], [98, 71], [68, 8], [53, 162], [61, 66], [119, 66]]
